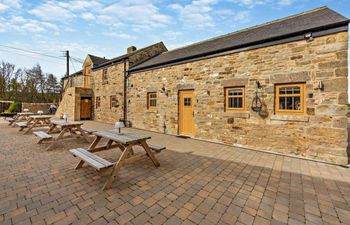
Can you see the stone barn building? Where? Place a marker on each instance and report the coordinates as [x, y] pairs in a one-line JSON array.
[[280, 87]]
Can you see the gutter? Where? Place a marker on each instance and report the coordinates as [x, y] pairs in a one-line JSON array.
[[320, 31], [125, 109]]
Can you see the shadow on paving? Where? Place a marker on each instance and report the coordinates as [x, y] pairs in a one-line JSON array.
[[197, 183]]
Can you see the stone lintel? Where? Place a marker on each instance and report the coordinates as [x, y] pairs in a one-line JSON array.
[[243, 114], [184, 86], [290, 77], [151, 89], [294, 118], [234, 82]]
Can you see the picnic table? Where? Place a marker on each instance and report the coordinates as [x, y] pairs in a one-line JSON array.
[[36, 121], [71, 127], [125, 142], [24, 116]]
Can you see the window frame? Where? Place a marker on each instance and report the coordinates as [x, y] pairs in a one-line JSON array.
[[111, 100], [149, 98], [243, 96], [104, 76], [302, 96], [98, 102]]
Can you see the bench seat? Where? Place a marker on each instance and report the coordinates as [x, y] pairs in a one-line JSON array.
[[156, 148], [93, 160], [22, 124], [88, 130], [42, 135]]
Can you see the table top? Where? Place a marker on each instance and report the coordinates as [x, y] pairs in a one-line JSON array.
[[63, 123], [41, 117], [25, 113], [124, 138]]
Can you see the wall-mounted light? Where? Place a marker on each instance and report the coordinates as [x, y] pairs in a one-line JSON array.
[[320, 85], [208, 92], [258, 85], [308, 37]]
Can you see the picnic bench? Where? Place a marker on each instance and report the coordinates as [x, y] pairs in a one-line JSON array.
[[125, 142], [70, 127], [42, 135], [24, 116], [37, 121], [22, 125]]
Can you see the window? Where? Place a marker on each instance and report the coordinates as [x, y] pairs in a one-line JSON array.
[[235, 99], [98, 102], [289, 98], [104, 76], [114, 102], [152, 100], [187, 101]]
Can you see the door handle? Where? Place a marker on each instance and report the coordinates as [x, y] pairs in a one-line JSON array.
[[193, 114]]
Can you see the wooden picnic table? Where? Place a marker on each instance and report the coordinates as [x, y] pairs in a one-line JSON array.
[[123, 141], [37, 121], [66, 126], [24, 116]]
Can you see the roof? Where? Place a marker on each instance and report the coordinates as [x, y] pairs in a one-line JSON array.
[[97, 60], [77, 73], [125, 56], [314, 20]]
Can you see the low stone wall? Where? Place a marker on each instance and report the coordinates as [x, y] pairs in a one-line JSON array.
[[35, 107]]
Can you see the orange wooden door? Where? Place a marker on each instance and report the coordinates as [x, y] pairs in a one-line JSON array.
[[186, 112], [85, 109]]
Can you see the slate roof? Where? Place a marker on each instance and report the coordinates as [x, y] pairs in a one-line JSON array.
[[125, 56], [317, 19], [97, 60]]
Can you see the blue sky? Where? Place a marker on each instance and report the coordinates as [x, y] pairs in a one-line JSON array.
[[107, 28]]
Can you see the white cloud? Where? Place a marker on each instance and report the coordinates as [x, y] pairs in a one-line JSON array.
[[52, 11], [120, 35], [32, 27], [3, 7], [196, 14], [136, 13], [88, 16]]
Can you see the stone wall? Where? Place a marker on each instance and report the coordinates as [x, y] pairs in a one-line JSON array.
[[35, 107], [320, 133], [71, 101], [113, 86]]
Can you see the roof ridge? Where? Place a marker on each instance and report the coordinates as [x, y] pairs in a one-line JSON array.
[[253, 27]]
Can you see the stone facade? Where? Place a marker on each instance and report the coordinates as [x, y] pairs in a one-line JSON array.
[[71, 102], [320, 133], [105, 89]]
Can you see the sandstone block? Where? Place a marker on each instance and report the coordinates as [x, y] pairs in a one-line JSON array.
[[331, 110], [337, 84], [290, 77]]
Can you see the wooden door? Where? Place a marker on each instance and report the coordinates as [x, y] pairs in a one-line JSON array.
[[85, 109], [186, 112]]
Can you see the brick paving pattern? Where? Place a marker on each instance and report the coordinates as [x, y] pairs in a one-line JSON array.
[[197, 183]]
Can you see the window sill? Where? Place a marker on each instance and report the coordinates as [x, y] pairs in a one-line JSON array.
[[294, 118], [238, 114]]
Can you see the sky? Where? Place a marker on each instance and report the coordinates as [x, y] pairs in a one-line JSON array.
[[106, 28]]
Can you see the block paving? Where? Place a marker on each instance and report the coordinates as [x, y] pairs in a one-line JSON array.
[[197, 183]]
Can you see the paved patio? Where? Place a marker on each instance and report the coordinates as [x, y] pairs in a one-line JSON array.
[[197, 183]]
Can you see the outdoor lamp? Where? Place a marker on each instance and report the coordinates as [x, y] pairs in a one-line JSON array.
[[119, 124], [40, 112], [65, 117]]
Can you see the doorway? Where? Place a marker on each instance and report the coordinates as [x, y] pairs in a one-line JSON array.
[[186, 112], [85, 108]]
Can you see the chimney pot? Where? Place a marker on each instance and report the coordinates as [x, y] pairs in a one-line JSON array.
[[131, 49]]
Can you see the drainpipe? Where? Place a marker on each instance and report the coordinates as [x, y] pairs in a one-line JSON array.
[[125, 90]]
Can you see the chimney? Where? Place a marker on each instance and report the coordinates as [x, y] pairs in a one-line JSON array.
[[131, 49]]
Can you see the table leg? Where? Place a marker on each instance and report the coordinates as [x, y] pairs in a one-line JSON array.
[[30, 127], [91, 149], [60, 136], [116, 168], [83, 133], [149, 153], [52, 127]]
